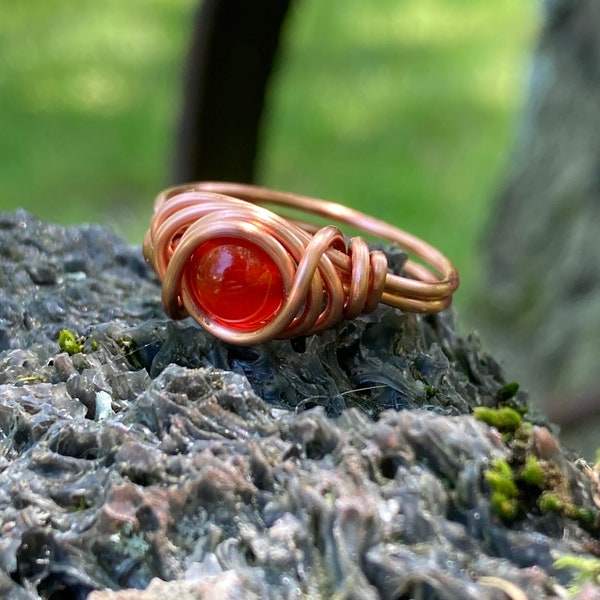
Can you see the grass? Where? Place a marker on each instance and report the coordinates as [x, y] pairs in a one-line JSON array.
[[90, 95], [404, 108]]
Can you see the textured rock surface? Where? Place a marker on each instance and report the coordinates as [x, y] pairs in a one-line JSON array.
[[346, 465]]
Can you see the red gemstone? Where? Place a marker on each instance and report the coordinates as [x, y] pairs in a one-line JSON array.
[[235, 282]]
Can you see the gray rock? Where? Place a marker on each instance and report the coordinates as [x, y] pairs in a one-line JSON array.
[[344, 465]]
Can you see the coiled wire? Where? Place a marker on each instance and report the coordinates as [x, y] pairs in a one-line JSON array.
[[325, 279]]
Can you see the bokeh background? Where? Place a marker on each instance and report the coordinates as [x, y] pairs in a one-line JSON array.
[[405, 108]]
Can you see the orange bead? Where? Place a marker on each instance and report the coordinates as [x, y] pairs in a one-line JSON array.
[[235, 283]]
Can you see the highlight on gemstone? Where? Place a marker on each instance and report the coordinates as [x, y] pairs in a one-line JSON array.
[[235, 283]]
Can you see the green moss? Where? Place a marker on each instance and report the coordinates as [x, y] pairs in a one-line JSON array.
[[129, 347], [430, 390], [506, 508], [505, 419], [68, 342], [505, 492], [532, 472], [31, 379], [585, 569], [79, 503], [550, 502], [524, 483], [586, 517], [508, 391], [501, 478]]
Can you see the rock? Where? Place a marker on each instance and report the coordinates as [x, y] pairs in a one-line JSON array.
[[226, 586], [388, 457]]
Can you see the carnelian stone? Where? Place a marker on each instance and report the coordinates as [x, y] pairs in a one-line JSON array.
[[235, 283]]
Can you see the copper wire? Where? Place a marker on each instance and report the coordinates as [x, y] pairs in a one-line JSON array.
[[325, 279]]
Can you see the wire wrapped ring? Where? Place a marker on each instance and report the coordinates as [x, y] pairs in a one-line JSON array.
[[249, 275]]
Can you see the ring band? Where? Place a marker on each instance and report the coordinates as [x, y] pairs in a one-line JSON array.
[[249, 275]]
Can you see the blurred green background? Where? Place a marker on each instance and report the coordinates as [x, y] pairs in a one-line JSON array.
[[405, 108]]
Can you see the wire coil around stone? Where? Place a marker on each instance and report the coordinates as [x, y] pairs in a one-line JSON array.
[[311, 279]]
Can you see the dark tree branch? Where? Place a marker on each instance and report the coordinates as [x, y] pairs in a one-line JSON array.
[[231, 57]]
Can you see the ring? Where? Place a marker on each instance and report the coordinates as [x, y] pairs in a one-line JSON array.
[[248, 275]]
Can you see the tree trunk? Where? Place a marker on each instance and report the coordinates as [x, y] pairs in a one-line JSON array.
[[231, 57], [542, 297]]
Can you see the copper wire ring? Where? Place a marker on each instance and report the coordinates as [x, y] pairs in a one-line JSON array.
[[323, 279]]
